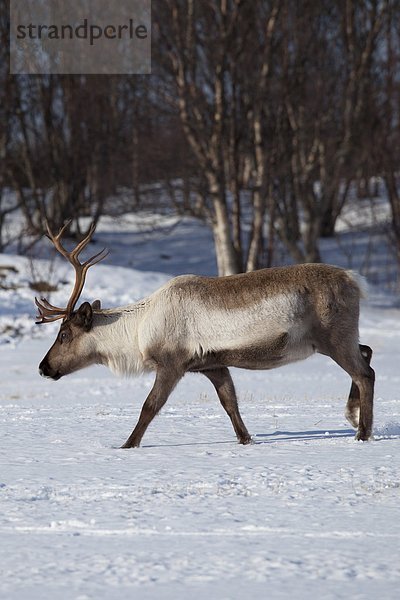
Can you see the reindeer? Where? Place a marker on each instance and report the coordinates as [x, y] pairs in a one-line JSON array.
[[258, 320]]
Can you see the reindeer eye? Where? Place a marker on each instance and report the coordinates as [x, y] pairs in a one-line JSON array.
[[63, 336]]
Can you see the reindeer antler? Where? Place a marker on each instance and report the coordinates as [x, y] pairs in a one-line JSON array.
[[48, 312]]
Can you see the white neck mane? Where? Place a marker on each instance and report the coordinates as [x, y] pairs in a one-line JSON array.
[[115, 336]]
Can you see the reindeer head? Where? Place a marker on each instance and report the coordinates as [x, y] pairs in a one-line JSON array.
[[72, 349]]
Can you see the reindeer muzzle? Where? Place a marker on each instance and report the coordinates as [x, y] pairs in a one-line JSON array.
[[46, 371]]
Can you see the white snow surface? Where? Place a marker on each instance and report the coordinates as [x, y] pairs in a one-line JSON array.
[[305, 510]]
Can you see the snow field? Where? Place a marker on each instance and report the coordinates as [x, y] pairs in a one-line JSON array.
[[191, 512], [303, 511]]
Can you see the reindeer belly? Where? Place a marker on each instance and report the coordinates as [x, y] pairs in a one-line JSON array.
[[267, 354], [260, 355]]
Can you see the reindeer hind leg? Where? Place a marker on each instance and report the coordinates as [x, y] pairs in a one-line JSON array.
[[349, 357], [352, 413]]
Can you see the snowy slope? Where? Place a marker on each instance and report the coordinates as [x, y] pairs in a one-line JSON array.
[[303, 511]]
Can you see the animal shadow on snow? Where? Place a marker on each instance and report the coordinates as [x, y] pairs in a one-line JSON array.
[[315, 434], [385, 432], [270, 438]]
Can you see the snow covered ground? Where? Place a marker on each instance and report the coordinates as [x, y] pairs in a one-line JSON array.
[[303, 511]]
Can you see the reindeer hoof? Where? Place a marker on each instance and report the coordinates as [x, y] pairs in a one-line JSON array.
[[246, 440], [363, 436], [130, 445]]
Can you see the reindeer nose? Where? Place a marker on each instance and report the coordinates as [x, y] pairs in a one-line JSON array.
[[41, 370], [44, 368]]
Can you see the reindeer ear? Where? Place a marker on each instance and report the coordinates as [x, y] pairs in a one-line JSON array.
[[96, 305], [84, 316]]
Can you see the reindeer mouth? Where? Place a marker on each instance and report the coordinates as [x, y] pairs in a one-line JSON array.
[[44, 372]]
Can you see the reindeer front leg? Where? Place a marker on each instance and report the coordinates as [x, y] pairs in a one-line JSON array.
[[166, 380]]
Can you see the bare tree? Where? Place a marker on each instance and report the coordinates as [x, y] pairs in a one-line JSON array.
[[326, 73], [209, 49], [66, 150], [258, 118], [387, 144], [7, 203]]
